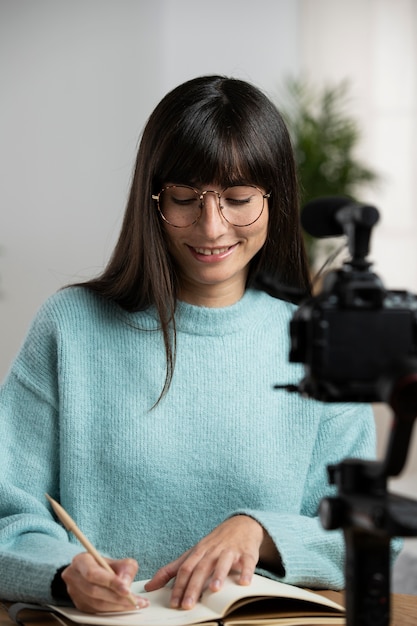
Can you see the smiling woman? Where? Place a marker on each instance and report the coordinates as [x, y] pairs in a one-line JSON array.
[[211, 252], [143, 400], [209, 134]]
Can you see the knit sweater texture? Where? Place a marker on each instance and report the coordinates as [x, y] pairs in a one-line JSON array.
[[78, 421]]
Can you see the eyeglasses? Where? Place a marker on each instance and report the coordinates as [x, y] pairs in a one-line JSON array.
[[182, 206]]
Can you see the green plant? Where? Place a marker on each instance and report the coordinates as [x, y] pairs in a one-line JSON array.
[[325, 136]]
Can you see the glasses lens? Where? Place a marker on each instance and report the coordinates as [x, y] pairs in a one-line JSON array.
[[241, 205], [179, 205]]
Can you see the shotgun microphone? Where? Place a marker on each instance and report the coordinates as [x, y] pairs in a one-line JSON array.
[[329, 216]]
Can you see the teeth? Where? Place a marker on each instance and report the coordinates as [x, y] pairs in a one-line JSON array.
[[208, 251]]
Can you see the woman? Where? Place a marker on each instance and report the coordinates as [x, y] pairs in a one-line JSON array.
[[143, 400]]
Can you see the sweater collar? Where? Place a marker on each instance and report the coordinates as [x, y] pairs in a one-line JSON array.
[[200, 320]]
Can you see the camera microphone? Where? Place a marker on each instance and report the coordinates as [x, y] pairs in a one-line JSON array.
[[331, 216]]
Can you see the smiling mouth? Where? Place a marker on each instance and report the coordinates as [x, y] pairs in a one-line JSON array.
[[212, 251]]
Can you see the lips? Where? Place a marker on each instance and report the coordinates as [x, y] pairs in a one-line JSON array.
[[211, 251], [212, 255]]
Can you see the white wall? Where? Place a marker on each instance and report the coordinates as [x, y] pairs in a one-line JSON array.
[[373, 43], [76, 87], [78, 80]]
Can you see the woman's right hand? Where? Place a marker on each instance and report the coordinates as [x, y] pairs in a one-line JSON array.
[[92, 588]]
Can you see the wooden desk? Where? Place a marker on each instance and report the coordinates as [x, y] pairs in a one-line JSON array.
[[403, 612]]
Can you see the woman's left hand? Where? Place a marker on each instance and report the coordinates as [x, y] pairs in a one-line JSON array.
[[233, 545]]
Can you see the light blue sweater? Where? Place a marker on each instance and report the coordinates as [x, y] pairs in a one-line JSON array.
[[76, 422]]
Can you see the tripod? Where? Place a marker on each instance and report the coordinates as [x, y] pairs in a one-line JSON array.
[[368, 514]]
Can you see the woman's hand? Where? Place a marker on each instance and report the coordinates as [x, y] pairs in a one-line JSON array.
[[92, 588], [233, 545]]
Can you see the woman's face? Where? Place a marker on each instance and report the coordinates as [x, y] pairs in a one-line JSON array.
[[212, 256]]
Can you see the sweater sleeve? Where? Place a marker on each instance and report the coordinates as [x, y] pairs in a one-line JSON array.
[[32, 545], [312, 556]]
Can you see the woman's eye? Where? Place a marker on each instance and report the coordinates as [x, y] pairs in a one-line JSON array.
[[237, 201], [184, 201]]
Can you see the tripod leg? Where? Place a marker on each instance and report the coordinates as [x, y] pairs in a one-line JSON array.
[[367, 570]]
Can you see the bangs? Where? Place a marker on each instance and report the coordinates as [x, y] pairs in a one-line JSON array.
[[217, 155]]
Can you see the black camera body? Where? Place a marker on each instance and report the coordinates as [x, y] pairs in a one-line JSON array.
[[353, 337]]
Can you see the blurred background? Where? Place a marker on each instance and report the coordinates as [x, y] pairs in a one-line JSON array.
[[78, 80]]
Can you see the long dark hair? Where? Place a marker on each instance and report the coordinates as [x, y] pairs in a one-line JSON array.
[[210, 129]]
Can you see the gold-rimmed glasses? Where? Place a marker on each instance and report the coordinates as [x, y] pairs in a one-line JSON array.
[[182, 205]]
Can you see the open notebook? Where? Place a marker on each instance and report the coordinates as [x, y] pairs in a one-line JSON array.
[[263, 602]]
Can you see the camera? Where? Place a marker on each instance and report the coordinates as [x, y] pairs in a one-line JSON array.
[[354, 336]]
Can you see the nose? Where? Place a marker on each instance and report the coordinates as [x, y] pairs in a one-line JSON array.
[[211, 219]]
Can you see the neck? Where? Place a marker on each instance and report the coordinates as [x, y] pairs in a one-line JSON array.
[[212, 296]]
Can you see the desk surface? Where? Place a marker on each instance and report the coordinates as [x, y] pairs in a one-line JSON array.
[[403, 612]]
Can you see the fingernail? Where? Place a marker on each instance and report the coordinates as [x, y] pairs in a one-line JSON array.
[[141, 603], [188, 602], [215, 584], [175, 602]]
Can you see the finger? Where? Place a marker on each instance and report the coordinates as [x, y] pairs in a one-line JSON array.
[[191, 578], [191, 582], [247, 570], [92, 598], [165, 574], [88, 596], [85, 569], [125, 571], [222, 569], [87, 604]]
